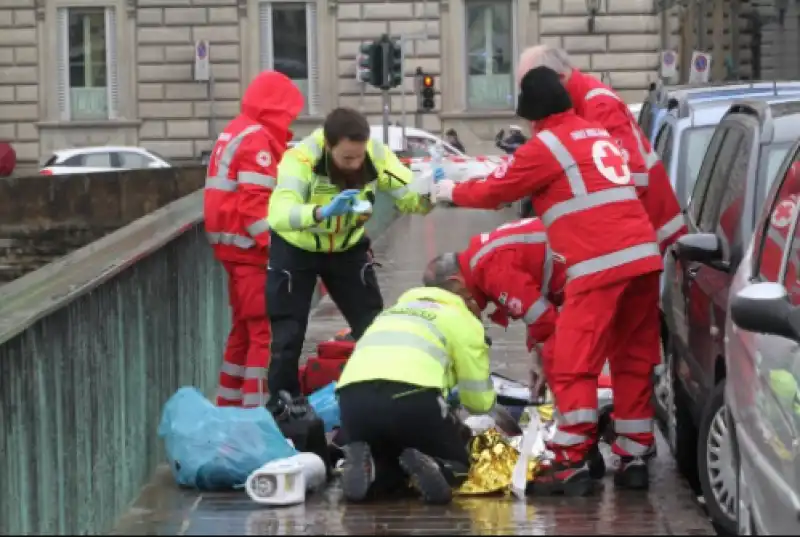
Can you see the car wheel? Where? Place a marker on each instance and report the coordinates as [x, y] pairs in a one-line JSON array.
[[716, 465], [681, 432]]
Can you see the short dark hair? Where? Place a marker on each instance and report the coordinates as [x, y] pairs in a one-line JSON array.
[[451, 132], [345, 123]]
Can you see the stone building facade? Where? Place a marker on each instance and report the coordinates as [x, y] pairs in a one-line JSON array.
[[79, 72]]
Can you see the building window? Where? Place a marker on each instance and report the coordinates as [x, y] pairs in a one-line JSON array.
[[87, 64], [490, 54], [289, 44]]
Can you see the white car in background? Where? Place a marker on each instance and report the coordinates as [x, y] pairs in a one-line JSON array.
[[105, 158]]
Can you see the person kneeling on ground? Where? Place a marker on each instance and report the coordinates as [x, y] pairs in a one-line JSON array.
[[393, 412]]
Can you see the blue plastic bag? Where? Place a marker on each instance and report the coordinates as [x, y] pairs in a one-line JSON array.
[[325, 404], [216, 448]]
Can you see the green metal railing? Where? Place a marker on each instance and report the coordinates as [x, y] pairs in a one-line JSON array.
[[91, 347]]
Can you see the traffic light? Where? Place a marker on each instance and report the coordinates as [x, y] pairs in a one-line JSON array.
[[426, 93], [363, 62], [394, 76]]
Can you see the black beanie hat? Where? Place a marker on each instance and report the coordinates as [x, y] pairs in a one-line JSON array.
[[542, 94]]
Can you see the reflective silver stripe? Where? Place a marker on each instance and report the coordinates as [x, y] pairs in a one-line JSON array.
[[566, 161], [629, 446], [519, 238], [640, 179], [230, 239], [378, 149], [392, 338], [476, 386], [588, 201], [568, 439], [399, 192], [420, 321], [576, 417], [615, 259], [224, 164], [255, 373], [232, 369], [296, 217], [254, 399], [229, 394], [313, 147], [295, 184], [633, 426], [596, 92], [536, 310], [670, 228], [221, 183], [650, 159], [258, 227], [258, 179]]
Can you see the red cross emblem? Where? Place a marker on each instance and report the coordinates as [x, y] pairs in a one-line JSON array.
[[782, 216], [610, 162]]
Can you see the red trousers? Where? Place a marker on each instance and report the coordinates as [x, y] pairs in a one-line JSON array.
[[620, 323], [243, 376]]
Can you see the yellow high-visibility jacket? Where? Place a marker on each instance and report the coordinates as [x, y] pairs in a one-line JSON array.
[[428, 339], [303, 184]]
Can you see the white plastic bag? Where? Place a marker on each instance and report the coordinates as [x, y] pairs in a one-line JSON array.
[[519, 477]]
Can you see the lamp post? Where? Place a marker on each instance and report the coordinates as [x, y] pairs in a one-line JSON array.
[[592, 7]]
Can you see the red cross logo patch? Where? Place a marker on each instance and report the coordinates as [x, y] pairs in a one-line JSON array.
[[610, 162]]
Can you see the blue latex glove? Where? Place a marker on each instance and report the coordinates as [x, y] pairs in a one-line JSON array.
[[341, 204], [438, 174]]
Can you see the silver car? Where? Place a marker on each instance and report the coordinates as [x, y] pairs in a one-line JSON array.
[[762, 346]]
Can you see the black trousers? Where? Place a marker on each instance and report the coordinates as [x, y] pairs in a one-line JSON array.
[[292, 274], [393, 416]]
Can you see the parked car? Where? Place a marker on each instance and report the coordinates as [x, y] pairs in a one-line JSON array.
[[657, 102], [102, 159], [762, 356], [743, 157]]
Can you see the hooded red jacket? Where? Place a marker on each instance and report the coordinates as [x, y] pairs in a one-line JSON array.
[[596, 102], [242, 169], [581, 186], [513, 268]]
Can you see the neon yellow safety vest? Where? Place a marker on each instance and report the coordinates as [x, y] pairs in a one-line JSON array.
[[303, 185], [428, 339]]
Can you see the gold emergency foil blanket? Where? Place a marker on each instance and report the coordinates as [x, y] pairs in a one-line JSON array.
[[492, 463]]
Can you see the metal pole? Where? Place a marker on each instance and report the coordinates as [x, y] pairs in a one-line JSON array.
[[386, 117], [403, 88], [212, 107], [386, 79]]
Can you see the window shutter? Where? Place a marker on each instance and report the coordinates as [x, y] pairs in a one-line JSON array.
[[112, 83], [314, 104], [63, 65], [265, 25]]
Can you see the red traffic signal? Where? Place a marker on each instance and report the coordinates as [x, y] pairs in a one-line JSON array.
[[427, 81]]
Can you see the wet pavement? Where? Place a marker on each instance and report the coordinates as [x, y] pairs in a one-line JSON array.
[[669, 508]]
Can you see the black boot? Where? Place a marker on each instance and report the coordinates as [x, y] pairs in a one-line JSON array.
[[597, 465], [633, 472], [562, 478], [426, 477], [358, 471]]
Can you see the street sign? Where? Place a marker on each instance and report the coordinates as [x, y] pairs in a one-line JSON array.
[[669, 63], [202, 67], [700, 68]]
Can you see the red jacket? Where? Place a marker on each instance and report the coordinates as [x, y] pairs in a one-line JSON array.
[[241, 173], [513, 268], [596, 102], [583, 190]]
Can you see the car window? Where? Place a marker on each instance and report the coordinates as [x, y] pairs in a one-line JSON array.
[[791, 275], [647, 119], [694, 143], [663, 145], [90, 160], [419, 147], [133, 161], [49, 162], [720, 179], [771, 237], [704, 175], [732, 202]]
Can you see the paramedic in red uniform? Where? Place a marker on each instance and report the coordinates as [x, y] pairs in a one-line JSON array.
[[598, 103], [241, 177], [598, 229]]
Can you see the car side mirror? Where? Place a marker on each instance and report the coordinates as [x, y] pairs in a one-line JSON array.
[[700, 247], [765, 308]]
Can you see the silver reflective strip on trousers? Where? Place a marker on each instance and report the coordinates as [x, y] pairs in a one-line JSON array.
[[640, 179], [224, 164], [393, 338], [577, 417], [295, 184], [612, 260], [638, 426], [562, 438], [564, 158], [257, 228], [254, 399], [670, 228], [257, 179], [631, 446], [520, 238], [296, 217], [233, 370], [230, 239], [229, 394], [588, 201]]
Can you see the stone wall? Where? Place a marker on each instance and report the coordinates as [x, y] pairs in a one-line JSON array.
[[19, 77], [45, 217]]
